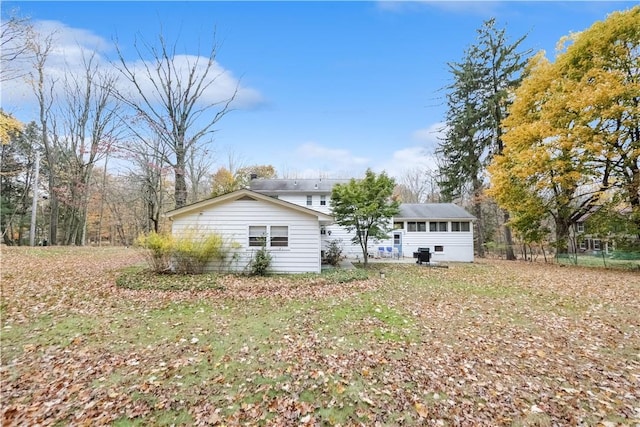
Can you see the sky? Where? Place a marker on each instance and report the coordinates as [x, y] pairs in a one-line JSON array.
[[325, 88]]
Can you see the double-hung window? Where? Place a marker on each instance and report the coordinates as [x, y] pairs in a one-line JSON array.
[[257, 235], [279, 235], [271, 236]]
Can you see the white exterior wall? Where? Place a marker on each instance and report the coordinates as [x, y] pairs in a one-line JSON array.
[[232, 220], [458, 246]]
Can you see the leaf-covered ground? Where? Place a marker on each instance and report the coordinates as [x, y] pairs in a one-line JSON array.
[[490, 343]]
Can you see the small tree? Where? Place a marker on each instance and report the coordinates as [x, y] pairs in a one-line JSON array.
[[365, 206]]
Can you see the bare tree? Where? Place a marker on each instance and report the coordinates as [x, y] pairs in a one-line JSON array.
[[14, 48], [40, 47], [418, 185], [171, 101], [87, 126], [198, 170]]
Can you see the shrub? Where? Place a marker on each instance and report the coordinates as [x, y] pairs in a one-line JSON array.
[[333, 254], [159, 248], [185, 255], [261, 262], [191, 253]]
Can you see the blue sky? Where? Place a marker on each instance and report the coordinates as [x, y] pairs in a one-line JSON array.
[[326, 87]]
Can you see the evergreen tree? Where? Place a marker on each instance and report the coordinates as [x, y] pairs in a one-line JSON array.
[[477, 102]]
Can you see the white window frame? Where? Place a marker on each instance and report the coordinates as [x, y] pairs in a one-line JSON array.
[[323, 200], [580, 227], [266, 236], [255, 238], [309, 200], [459, 226], [436, 226], [279, 236], [416, 226]]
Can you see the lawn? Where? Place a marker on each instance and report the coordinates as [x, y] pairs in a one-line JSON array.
[[489, 343]]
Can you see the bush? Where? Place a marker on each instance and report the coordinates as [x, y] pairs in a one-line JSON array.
[[159, 248], [189, 254], [261, 262], [333, 254]]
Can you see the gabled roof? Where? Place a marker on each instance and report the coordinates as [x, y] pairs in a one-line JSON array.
[[245, 195], [432, 211], [279, 186]]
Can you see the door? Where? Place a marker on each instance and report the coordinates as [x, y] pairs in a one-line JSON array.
[[397, 243]]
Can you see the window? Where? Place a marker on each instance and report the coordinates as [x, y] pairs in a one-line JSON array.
[[438, 226], [459, 226], [416, 226], [583, 245], [397, 239], [257, 235], [438, 248], [279, 235], [323, 200], [309, 200], [596, 245], [398, 225], [580, 227]]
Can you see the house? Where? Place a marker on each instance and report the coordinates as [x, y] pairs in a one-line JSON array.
[[599, 230], [293, 217], [445, 228], [248, 219]]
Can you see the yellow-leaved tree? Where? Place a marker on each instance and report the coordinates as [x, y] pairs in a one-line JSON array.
[[572, 137], [8, 126]]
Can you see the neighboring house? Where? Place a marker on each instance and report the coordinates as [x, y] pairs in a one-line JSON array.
[[446, 229], [591, 235], [247, 220]]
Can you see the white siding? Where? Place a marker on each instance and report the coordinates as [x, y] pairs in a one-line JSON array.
[[300, 199], [232, 220], [458, 246]]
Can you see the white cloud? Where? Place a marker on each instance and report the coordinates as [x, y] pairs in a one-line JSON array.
[[406, 159], [70, 45], [430, 136], [222, 82], [338, 156]]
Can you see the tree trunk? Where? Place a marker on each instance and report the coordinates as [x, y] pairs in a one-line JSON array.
[[477, 211], [181, 181], [510, 254]]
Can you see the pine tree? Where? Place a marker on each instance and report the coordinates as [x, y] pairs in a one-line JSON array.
[[477, 102]]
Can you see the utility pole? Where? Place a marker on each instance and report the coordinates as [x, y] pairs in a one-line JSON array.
[[34, 206]]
